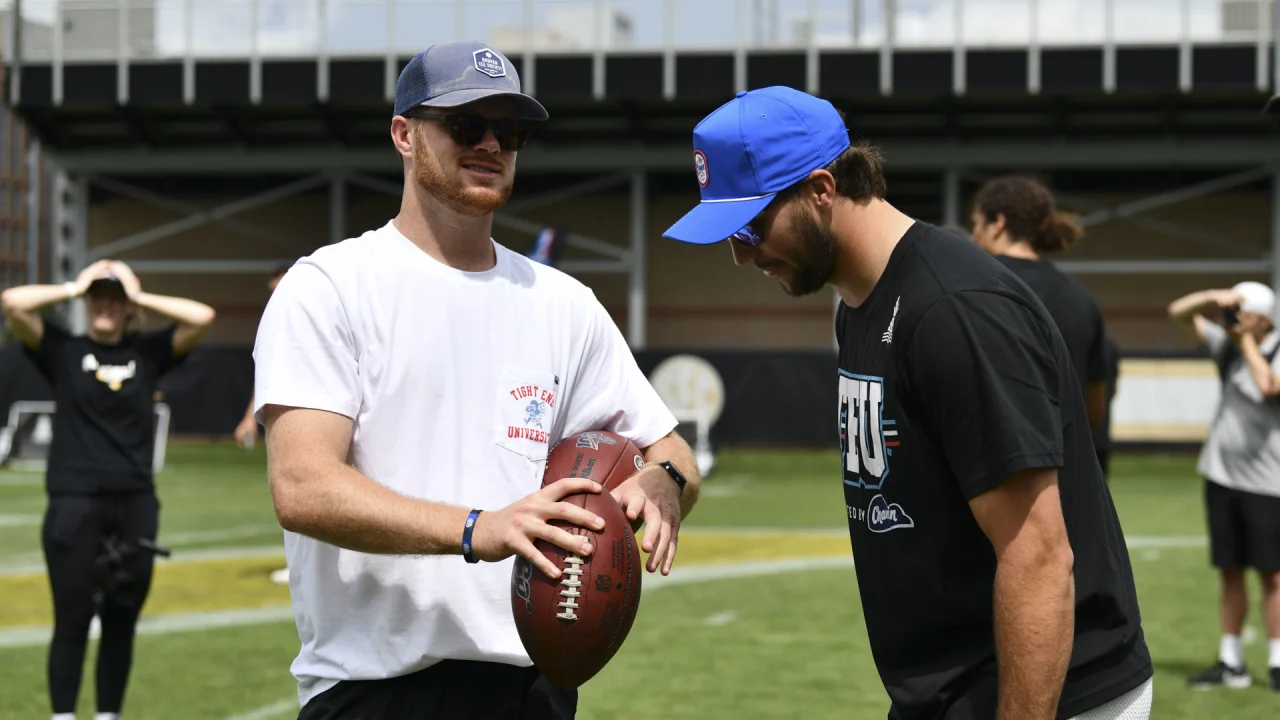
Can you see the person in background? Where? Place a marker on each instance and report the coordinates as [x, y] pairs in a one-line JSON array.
[[1240, 462], [247, 431], [102, 497], [1016, 220]]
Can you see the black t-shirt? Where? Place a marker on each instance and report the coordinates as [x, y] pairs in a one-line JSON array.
[[952, 378], [1073, 310], [104, 425]]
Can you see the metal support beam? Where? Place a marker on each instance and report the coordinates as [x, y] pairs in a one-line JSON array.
[[637, 301], [1275, 230], [70, 238], [337, 209], [951, 197], [132, 192], [1194, 266], [569, 192], [669, 50], [1201, 189], [35, 183], [1186, 153], [889, 17], [202, 218], [208, 266]]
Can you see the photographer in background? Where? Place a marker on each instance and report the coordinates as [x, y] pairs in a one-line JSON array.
[[103, 514], [1240, 462]]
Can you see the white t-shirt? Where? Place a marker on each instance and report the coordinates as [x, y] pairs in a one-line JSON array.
[[457, 383], [1243, 447]]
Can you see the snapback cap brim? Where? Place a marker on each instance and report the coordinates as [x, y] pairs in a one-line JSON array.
[[714, 220], [1272, 107], [529, 109]]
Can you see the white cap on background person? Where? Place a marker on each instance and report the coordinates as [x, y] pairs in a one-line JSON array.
[[1258, 298]]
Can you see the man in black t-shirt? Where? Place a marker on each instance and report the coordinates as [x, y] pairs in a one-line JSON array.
[[991, 564], [1016, 219]]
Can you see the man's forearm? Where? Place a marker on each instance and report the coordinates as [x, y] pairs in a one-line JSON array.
[[1258, 366], [1187, 307], [188, 312], [1034, 625], [674, 448], [337, 504]]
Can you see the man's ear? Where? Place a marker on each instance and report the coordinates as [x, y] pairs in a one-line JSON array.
[[402, 136], [823, 185]]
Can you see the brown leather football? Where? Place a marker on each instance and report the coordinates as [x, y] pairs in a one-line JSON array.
[[572, 627]]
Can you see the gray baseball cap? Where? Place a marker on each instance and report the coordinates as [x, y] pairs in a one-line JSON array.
[[450, 74]]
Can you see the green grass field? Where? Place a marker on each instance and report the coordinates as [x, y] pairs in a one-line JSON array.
[[219, 638]]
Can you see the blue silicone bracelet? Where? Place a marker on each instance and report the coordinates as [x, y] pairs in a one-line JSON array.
[[466, 537]]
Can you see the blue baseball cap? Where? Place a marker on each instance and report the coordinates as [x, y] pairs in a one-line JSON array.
[[751, 148], [447, 75]]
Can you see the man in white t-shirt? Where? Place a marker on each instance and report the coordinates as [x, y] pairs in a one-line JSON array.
[[389, 376]]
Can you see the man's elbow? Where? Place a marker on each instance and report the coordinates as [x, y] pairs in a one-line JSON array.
[[204, 317], [292, 512]]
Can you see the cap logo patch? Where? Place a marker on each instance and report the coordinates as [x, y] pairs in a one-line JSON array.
[[700, 164], [489, 63]]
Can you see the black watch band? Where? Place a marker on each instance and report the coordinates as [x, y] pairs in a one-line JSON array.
[[674, 472]]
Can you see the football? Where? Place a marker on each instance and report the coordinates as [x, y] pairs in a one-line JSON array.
[[572, 627]]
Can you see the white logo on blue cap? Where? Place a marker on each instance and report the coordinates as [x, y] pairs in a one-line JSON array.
[[490, 63], [700, 164]]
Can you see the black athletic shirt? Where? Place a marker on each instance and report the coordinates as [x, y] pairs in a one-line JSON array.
[[104, 426], [952, 378], [1073, 310]]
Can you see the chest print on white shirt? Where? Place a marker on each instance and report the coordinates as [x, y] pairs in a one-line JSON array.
[[533, 404], [113, 376]]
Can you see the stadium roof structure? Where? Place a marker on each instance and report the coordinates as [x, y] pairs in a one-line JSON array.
[[120, 91]]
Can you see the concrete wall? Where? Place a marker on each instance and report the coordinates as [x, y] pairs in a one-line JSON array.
[[697, 297]]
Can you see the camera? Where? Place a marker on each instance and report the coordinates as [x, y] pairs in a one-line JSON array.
[[1230, 317]]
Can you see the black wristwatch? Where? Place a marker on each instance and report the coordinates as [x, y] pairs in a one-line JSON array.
[[674, 472]]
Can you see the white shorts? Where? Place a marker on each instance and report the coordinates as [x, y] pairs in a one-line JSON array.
[[1133, 705]]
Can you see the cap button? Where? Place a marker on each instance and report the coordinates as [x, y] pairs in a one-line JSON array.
[[741, 93]]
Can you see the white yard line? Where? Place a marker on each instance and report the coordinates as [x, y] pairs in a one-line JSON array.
[[32, 563], [275, 709], [13, 520]]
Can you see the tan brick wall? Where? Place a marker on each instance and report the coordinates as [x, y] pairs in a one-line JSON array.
[[697, 297]]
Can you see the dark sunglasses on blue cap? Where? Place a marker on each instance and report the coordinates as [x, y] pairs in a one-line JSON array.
[[468, 129], [747, 236]]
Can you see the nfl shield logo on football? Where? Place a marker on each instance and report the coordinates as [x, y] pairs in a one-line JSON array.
[[489, 63], [700, 164]]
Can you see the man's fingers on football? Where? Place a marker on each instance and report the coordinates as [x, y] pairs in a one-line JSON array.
[[575, 515], [565, 540], [527, 550], [569, 486]]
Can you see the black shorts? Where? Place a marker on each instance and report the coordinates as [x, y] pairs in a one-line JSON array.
[[449, 690], [1244, 528]]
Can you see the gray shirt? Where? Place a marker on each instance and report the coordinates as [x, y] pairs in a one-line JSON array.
[[1243, 447]]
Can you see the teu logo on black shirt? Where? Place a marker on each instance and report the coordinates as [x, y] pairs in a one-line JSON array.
[[867, 440], [113, 376]]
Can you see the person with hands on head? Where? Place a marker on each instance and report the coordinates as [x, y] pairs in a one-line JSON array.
[[99, 476], [411, 381], [991, 563], [1240, 462]]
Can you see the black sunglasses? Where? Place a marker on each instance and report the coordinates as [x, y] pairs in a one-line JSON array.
[[468, 129]]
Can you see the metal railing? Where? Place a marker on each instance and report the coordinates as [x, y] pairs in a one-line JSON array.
[[104, 30]]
